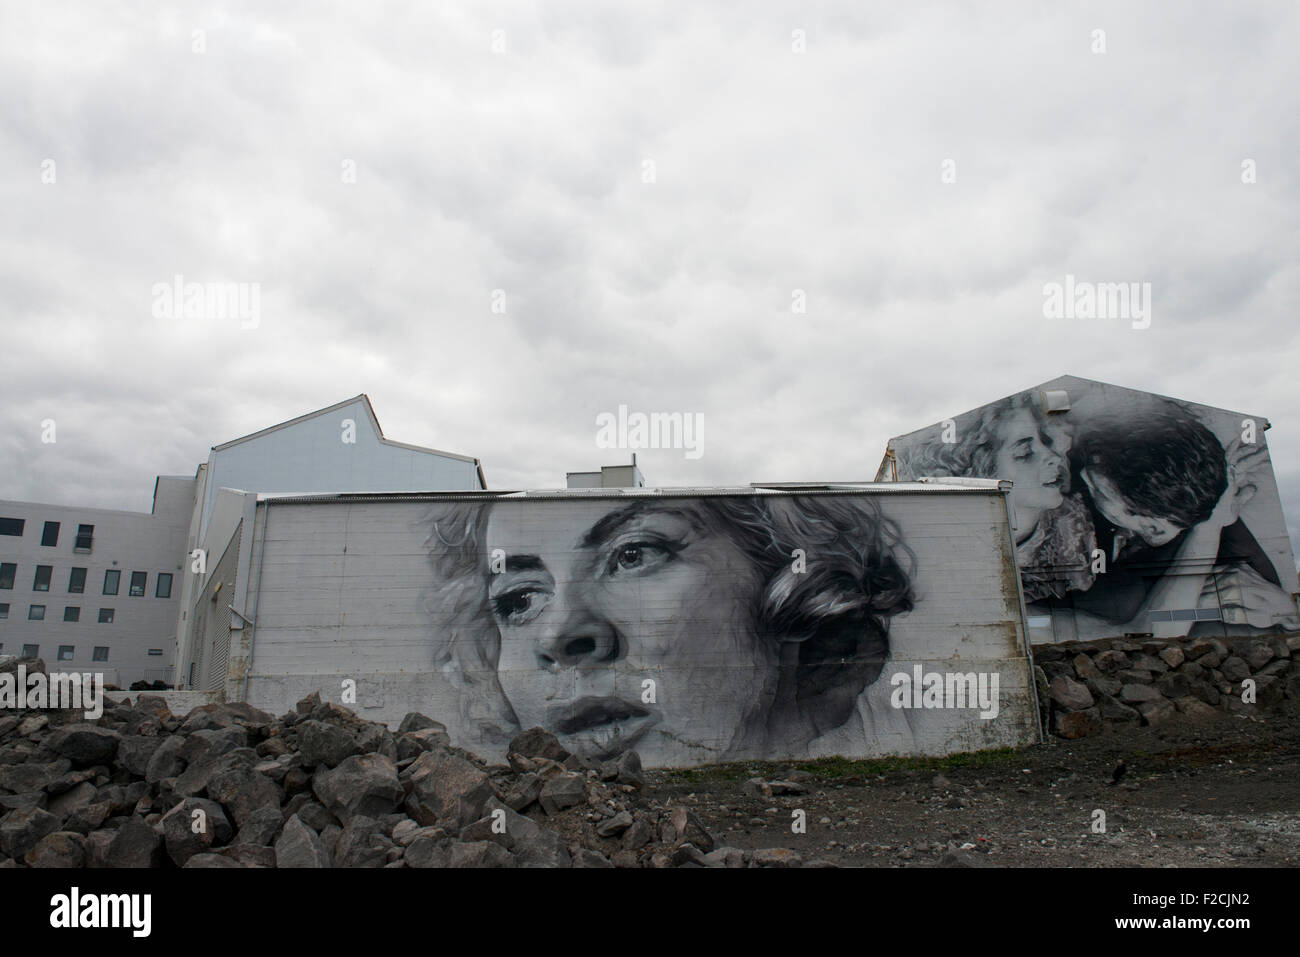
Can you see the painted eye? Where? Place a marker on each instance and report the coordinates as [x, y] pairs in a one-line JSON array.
[[641, 556], [513, 604]]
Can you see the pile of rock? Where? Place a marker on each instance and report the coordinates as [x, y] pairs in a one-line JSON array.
[[1084, 687], [231, 786]]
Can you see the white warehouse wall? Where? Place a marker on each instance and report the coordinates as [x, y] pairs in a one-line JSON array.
[[352, 591]]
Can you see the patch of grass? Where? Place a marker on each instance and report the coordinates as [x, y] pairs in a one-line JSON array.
[[831, 769]]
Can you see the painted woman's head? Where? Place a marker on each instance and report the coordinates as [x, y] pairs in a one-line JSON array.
[[1009, 439], [690, 629]]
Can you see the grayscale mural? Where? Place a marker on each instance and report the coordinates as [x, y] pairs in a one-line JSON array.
[[1133, 513], [706, 628]]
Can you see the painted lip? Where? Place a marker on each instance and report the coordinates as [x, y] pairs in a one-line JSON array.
[[601, 726], [1058, 480]]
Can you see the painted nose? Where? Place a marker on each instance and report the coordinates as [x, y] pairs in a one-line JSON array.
[[575, 634]]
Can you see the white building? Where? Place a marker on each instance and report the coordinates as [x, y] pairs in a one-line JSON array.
[[90, 589], [114, 591]]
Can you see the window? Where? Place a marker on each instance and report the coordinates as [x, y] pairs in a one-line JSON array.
[[50, 535], [85, 533], [72, 613], [105, 616], [36, 613], [12, 526], [7, 572], [42, 580], [164, 589], [65, 652], [138, 580], [4, 612], [77, 581], [155, 652], [101, 653], [111, 578], [31, 651]]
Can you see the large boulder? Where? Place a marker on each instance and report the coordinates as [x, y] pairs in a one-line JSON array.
[[1235, 669], [1257, 655], [84, 744], [446, 790], [1070, 695], [1157, 712], [78, 796], [1138, 693], [362, 784], [166, 761], [563, 791], [60, 849], [261, 828], [243, 791], [135, 845], [32, 776], [299, 846], [529, 843], [538, 743], [481, 854], [134, 753], [1078, 724], [322, 744], [23, 829], [361, 844], [192, 827], [414, 721]]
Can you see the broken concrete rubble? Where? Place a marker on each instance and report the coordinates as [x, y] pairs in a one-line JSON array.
[[229, 786]]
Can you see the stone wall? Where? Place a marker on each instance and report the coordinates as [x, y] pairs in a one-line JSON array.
[[1086, 687]]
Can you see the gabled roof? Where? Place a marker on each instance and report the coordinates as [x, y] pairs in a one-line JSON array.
[[374, 422], [1066, 381]]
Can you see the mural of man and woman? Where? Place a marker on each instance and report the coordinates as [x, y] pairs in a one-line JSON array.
[[1125, 505]]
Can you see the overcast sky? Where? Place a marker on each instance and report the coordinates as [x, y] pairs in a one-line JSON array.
[[647, 185]]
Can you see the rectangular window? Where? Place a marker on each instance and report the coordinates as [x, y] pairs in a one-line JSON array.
[[4, 612], [35, 612], [31, 651], [101, 653], [65, 652], [105, 616], [111, 578], [12, 526], [164, 589], [154, 652], [72, 613], [85, 533], [42, 580], [50, 534], [7, 572], [77, 581], [138, 581]]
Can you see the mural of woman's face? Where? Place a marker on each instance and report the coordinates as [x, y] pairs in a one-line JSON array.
[[1028, 457], [596, 597], [1117, 510]]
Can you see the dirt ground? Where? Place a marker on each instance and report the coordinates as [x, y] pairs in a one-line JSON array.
[[1223, 792]]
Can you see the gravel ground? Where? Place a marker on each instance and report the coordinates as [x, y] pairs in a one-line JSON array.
[[1221, 792]]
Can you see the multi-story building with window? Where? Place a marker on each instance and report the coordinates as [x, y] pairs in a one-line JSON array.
[[90, 589], [115, 591]]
